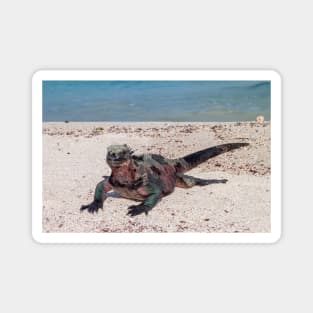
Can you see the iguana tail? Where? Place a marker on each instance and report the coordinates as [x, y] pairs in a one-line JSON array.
[[192, 160]]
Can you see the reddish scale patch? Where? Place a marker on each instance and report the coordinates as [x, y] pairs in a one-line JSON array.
[[142, 191], [123, 173], [168, 179], [107, 186]]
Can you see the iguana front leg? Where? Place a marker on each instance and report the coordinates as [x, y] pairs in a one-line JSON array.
[[152, 194], [100, 195]]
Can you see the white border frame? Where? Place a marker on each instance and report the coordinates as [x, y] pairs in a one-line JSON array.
[[270, 75]]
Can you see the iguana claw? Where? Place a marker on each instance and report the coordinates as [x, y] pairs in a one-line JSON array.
[[92, 207], [134, 210]]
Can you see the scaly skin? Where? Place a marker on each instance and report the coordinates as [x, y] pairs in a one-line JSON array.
[[149, 177]]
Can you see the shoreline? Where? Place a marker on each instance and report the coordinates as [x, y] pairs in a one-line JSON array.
[[73, 162]]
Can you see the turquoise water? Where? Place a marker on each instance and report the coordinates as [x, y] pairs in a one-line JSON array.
[[155, 100]]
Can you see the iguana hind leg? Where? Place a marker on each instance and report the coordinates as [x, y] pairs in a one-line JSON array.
[[186, 181]]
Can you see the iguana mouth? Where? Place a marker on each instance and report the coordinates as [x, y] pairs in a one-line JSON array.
[[116, 162]]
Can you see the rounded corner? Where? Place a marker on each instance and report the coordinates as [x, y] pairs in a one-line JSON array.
[[276, 238], [37, 75], [36, 238], [276, 75]]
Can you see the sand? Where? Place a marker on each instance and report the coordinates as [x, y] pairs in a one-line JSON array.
[[74, 162]]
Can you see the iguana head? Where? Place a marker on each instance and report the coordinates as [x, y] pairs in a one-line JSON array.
[[118, 155]]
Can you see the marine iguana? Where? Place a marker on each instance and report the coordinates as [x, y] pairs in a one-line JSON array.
[[149, 177]]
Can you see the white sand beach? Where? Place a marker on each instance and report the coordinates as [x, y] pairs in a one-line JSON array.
[[74, 162]]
